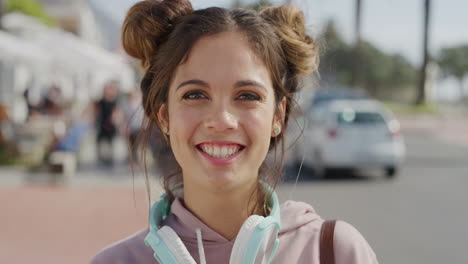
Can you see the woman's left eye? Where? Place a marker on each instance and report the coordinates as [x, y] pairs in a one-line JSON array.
[[249, 97]]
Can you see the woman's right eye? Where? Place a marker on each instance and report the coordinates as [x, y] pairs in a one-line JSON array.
[[194, 95]]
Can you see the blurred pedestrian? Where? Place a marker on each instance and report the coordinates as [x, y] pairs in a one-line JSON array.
[[62, 153], [220, 84], [106, 112], [8, 148], [33, 106], [53, 104], [4, 121], [133, 115]]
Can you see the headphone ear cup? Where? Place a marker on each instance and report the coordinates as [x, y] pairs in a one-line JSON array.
[[175, 245], [242, 239]]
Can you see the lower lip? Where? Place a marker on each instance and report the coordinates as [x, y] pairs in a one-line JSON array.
[[221, 161]]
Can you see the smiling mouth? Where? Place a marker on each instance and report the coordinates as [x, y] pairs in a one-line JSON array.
[[220, 151]]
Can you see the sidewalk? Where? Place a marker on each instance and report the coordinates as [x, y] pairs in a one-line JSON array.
[[68, 222], [449, 125], [450, 129], [448, 122], [59, 224], [120, 175]]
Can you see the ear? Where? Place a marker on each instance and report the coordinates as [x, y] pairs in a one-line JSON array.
[[163, 118], [278, 119]]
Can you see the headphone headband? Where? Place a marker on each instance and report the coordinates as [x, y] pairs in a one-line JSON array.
[[162, 208], [258, 236]]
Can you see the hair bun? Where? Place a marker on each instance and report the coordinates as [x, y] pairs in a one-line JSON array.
[[300, 49], [147, 25]]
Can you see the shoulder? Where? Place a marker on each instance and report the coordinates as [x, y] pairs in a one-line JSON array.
[[350, 246], [298, 217], [300, 232], [129, 250]]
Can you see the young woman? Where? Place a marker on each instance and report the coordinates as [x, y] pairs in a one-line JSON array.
[[219, 84]]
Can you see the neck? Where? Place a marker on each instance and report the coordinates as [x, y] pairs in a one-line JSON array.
[[223, 211]]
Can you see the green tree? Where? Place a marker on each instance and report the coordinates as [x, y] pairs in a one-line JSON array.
[[260, 4], [2, 8], [403, 73], [332, 37], [336, 55], [30, 8], [237, 4], [454, 61], [257, 5], [379, 70]]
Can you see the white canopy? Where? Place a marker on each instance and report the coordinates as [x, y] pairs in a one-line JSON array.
[[88, 66], [78, 55], [23, 65], [13, 48]]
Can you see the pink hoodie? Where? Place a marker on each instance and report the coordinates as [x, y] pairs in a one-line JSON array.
[[299, 240]]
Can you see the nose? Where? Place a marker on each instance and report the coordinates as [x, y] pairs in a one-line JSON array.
[[221, 119]]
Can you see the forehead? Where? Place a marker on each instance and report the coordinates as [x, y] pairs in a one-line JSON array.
[[224, 56]]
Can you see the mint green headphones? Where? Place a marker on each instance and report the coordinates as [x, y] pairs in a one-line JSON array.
[[256, 242]]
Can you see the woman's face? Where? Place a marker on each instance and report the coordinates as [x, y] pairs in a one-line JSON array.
[[220, 113]]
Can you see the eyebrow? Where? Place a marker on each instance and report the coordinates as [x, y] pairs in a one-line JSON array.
[[193, 81], [238, 84], [249, 83]]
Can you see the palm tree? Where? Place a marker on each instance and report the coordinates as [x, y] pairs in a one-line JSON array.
[[421, 96], [2, 9], [356, 79], [358, 21]]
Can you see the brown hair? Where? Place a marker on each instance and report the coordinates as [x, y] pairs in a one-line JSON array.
[[161, 34]]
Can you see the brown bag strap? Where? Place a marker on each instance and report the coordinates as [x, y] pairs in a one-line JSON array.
[[327, 255]]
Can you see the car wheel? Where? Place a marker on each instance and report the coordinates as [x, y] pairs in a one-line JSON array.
[[390, 172]]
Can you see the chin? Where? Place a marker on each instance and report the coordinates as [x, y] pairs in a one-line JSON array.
[[220, 180]]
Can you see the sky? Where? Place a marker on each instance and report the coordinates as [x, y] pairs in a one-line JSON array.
[[395, 26]]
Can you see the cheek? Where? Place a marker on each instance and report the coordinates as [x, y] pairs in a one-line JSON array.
[[182, 124], [258, 124]]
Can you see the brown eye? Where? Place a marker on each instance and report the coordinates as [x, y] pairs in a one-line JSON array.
[[249, 97], [194, 95]]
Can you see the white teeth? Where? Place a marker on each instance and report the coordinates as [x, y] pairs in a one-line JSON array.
[[231, 150], [218, 151], [224, 152]]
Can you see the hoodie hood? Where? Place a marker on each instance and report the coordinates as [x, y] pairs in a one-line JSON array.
[[295, 215], [299, 240], [185, 224]]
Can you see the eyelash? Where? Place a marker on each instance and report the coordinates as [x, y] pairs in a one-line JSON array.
[[189, 95], [197, 95], [252, 96]]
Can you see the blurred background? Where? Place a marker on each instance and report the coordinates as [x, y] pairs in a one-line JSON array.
[[379, 137]]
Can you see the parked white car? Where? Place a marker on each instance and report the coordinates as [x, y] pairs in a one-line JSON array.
[[352, 134]]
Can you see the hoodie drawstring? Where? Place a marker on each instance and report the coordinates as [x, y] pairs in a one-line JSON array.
[[201, 250]]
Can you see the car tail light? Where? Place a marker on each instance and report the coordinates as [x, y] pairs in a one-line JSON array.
[[395, 133], [332, 133], [394, 129]]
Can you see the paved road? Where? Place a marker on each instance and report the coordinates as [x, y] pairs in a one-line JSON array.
[[419, 217]]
